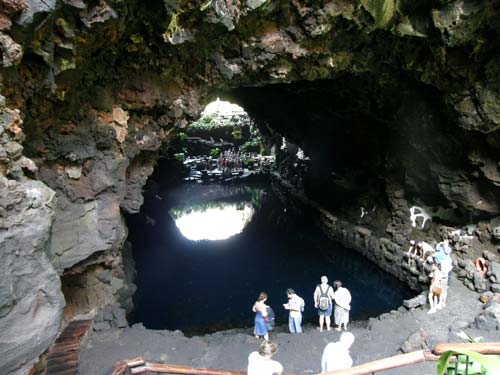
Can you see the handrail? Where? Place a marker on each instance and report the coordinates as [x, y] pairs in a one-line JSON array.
[[139, 366], [387, 363], [478, 347]]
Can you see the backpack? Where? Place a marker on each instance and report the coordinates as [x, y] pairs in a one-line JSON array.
[[270, 322], [324, 300]]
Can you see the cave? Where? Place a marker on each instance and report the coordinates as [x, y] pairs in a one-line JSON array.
[[382, 122]]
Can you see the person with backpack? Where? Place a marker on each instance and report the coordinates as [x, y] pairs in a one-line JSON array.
[[323, 297], [296, 306]]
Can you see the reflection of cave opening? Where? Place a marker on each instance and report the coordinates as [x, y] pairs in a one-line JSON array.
[[217, 221], [203, 285]]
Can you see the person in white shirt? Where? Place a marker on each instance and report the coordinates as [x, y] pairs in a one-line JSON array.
[[296, 306], [260, 363], [342, 298], [420, 249], [336, 355]]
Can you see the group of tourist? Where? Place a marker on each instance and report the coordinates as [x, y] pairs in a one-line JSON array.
[[442, 265], [336, 299], [231, 160], [336, 356], [327, 300]]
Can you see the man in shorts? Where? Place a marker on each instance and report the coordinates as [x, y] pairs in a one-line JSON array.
[[323, 301]]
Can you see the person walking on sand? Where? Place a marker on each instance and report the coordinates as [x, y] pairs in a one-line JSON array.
[[296, 306], [336, 355], [260, 363], [342, 298], [260, 310], [323, 297]]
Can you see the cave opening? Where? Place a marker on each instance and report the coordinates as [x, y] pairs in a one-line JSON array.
[[194, 276]]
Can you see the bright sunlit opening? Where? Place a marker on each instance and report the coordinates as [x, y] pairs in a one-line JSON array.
[[215, 223], [221, 107]]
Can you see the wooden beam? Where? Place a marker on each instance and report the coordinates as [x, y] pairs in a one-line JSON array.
[[139, 361], [382, 364], [479, 347]]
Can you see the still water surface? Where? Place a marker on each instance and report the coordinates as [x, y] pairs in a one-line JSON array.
[[200, 285]]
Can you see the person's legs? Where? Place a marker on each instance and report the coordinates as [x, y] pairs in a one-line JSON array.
[[444, 297], [291, 324], [298, 324], [266, 336], [321, 322], [328, 322], [431, 301]]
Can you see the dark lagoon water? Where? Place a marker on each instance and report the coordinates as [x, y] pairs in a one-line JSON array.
[[207, 285]]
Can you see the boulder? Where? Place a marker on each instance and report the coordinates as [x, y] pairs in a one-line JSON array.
[[416, 341], [417, 301], [84, 228], [489, 318]]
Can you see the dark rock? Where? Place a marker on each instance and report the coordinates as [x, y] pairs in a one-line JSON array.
[[120, 320], [489, 318], [417, 301], [494, 269], [496, 234], [480, 282], [33, 7], [101, 326], [12, 52], [416, 341], [99, 13], [488, 255], [495, 288]]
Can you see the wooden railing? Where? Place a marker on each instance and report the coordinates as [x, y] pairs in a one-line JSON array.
[[139, 366]]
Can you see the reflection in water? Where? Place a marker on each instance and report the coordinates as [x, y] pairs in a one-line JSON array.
[[219, 221]]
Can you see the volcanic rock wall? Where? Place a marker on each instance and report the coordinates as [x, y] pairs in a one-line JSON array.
[[98, 87]]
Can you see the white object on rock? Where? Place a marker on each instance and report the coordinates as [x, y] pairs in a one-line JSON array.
[[415, 213], [363, 212], [283, 144]]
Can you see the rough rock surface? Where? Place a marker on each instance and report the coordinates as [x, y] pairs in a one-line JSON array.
[[31, 300]]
